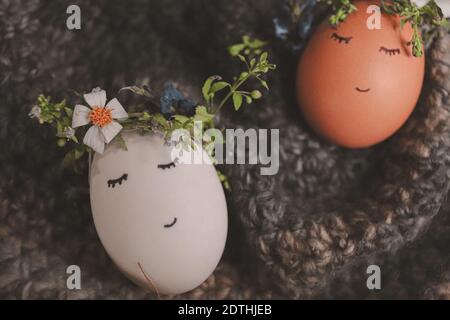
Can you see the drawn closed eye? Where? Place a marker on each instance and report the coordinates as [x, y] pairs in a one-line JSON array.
[[341, 39], [112, 182], [169, 165], [390, 52]]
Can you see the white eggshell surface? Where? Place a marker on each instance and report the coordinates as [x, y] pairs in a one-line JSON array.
[[135, 220]]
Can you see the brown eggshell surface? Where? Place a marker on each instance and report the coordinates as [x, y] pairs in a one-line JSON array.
[[356, 86]]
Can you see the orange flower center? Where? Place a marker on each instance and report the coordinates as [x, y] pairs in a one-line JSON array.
[[100, 116]]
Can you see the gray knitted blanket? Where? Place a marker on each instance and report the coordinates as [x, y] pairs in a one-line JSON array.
[[308, 232]]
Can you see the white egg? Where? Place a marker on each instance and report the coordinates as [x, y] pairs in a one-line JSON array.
[[170, 222]]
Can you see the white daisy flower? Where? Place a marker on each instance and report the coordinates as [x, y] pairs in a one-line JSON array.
[[35, 113], [102, 116]]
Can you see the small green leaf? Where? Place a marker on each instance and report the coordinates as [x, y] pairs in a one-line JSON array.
[[246, 39], [188, 124], [256, 43], [74, 139], [223, 178], [201, 114], [161, 120], [69, 111], [263, 57], [264, 84], [236, 49], [243, 75], [145, 116], [237, 100], [180, 118], [242, 58], [207, 87], [61, 142], [219, 86]]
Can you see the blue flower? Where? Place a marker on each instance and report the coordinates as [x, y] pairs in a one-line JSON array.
[[295, 31], [173, 101], [281, 30]]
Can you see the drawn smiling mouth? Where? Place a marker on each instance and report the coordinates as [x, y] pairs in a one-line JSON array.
[[171, 224], [362, 90]]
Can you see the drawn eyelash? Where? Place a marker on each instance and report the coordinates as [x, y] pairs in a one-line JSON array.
[[391, 52], [341, 39], [112, 183], [167, 166], [170, 165]]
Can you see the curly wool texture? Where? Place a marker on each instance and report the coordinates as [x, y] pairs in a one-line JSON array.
[[304, 244], [286, 219]]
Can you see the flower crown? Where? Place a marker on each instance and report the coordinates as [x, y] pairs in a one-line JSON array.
[[429, 14], [427, 17], [97, 122]]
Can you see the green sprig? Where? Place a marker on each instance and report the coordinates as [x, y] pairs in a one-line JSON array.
[[249, 52], [342, 9], [429, 14], [56, 114]]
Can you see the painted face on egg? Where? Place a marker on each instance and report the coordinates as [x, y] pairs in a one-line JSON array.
[[157, 218], [356, 86]]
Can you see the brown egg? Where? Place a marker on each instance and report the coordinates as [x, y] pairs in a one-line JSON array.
[[356, 86]]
